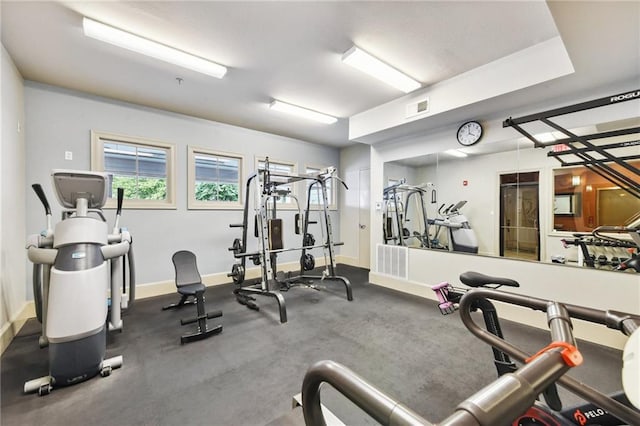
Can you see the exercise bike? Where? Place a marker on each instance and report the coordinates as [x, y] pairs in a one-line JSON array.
[[551, 414], [510, 399]]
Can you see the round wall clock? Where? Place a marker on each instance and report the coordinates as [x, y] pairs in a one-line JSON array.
[[469, 133]]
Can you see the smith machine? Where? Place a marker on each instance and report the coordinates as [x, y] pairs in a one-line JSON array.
[[268, 187], [611, 154]]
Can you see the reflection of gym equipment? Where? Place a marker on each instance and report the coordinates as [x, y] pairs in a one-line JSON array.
[[513, 396], [460, 236], [76, 262], [269, 186], [396, 214], [592, 247], [400, 199], [189, 285]]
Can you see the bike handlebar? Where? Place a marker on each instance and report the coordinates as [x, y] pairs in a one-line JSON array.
[[508, 396]]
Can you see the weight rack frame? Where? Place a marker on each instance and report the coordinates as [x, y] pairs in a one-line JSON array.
[[267, 190]]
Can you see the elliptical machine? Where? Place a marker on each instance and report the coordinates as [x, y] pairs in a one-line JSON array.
[[75, 267]]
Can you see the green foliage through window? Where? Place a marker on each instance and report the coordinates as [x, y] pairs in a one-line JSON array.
[[211, 191], [140, 188]]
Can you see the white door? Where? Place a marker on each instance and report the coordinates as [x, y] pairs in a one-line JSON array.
[[364, 210]]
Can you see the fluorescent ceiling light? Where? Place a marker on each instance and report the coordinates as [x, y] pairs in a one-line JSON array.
[[302, 112], [363, 61], [147, 47], [455, 153]]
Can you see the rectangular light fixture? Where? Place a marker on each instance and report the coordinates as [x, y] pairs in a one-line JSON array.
[[455, 153], [364, 62], [141, 45], [302, 112]]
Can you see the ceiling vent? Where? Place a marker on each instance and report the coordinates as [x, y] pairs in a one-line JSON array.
[[417, 108]]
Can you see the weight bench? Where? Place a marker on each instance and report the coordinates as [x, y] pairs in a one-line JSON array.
[[189, 285]]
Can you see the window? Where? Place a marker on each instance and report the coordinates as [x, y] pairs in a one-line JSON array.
[[215, 179], [316, 194], [281, 168], [143, 168]]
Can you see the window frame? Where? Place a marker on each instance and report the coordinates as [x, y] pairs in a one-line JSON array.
[[294, 172], [333, 204], [97, 164], [192, 203]]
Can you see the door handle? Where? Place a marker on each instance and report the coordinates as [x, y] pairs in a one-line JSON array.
[[363, 226]]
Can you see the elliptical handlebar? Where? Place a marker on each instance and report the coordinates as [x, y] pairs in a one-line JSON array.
[[43, 198], [120, 199]]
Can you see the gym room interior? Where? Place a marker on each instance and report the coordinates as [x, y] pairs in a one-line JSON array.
[[327, 225]]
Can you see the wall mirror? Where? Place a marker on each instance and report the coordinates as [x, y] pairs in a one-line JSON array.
[[518, 201]]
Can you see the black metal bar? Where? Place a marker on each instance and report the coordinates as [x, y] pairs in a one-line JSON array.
[[597, 165], [275, 294], [528, 135], [597, 149], [608, 100], [595, 161], [633, 190], [347, 283]]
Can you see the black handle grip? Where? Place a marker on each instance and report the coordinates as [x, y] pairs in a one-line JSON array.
[[120, 198], [43, 198]]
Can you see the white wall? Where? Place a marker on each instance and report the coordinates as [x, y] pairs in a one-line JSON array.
[[60, 120], [399, 172], [12, 201], [579, 286], [353, 159]]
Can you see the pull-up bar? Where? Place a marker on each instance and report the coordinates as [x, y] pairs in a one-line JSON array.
[[582, 146]]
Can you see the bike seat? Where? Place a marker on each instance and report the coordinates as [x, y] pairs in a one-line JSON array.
[[476, 279]]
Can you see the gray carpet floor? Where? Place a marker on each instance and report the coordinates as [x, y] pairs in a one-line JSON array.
[[248, 374]]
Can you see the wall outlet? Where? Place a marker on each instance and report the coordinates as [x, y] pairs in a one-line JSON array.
[[68, 155]]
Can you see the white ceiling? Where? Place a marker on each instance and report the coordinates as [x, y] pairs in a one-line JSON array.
[[291, 51]]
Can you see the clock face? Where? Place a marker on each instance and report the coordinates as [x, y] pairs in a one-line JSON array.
[[469, 133]]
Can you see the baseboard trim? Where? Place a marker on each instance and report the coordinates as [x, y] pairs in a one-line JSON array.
[[13, 326], [347, 260], [160, 288]]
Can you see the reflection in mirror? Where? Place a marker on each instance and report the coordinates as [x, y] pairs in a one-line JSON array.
[[584, 200], [521, 204], [413, 213], [405, 216], [520, 216]]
